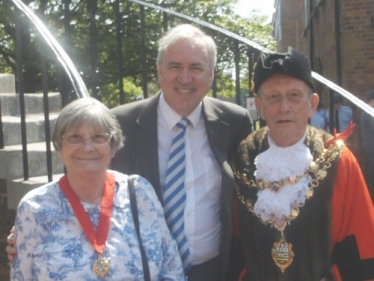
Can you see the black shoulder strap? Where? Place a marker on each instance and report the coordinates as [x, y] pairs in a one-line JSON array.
[[134, 210]]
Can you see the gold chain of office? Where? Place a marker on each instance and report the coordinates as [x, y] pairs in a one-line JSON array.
[[318, 168]]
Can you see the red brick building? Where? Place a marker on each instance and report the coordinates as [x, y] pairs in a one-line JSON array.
[[338, 37]]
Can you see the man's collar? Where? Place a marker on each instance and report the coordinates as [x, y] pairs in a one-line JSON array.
[[172, 118], [272, 143]]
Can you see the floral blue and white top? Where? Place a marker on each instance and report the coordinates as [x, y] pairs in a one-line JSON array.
[[51, 244]]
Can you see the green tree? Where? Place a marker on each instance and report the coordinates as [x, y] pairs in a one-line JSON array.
[[74, 34], [111, 92]]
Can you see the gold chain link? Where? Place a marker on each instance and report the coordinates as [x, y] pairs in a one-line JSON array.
[[318, 168]]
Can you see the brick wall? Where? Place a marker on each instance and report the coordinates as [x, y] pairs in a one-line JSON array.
[[356, 40], [324, 41], [292, 25], [357, 22]]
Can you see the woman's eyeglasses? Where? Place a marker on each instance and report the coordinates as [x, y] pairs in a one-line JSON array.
[[76, 139]]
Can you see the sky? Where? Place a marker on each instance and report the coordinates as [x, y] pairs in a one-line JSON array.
[[264, 6]]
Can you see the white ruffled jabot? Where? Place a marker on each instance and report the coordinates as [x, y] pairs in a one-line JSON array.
[[279, 163]]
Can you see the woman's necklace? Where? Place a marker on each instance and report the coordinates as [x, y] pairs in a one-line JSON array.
[[282, 250], [101, 265]]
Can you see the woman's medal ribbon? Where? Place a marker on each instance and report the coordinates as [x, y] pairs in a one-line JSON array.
[[101, 265]]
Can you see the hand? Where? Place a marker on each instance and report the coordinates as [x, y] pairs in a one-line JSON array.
[[11, 249]]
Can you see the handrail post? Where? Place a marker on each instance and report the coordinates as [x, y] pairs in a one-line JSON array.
[[143, 53], [47, 128], [92, 9], [21, 93], [119, 36]]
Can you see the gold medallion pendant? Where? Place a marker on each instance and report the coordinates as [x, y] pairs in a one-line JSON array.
[[282, 253], [101, 267]]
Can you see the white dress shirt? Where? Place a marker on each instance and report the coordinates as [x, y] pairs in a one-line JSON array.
[[202, 180]]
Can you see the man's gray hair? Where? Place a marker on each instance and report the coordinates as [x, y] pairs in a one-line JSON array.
[[187, 32]]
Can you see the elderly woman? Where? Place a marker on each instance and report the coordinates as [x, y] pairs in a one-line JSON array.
[[82, 227]]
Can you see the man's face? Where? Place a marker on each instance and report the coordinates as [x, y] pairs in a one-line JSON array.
[[371, 102], [285, 104], [185, 75]]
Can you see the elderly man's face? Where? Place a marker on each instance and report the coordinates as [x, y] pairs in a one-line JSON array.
[[286, 105], [185, 75]]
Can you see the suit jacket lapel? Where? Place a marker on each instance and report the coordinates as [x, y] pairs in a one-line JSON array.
[[148, 144], [217, 131]]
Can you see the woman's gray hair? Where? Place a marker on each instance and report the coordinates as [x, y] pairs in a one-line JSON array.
[[87, 110], [190, 33]]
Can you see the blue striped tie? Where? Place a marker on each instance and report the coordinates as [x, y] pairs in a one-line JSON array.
[[175, 195]]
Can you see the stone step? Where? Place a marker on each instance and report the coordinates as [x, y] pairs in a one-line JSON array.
[[11, 164], [10, 103], [18, 188], [7, 83], [35, 130], [12, 168]]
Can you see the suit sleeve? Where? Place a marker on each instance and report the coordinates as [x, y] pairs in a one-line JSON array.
[[352, 223]]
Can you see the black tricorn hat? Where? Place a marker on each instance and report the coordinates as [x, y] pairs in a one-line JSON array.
[[292, 63]]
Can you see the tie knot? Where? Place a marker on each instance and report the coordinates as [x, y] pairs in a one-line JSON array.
[[183, 123]]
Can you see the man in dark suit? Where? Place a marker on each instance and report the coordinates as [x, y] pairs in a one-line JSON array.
[[185, 65]]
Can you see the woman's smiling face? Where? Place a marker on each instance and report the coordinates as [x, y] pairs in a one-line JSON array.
[[88, 156]]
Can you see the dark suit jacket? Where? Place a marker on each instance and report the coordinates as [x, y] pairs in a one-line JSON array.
[[226, 123]]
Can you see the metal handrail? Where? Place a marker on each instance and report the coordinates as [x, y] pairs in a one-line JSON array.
[[71, 70]]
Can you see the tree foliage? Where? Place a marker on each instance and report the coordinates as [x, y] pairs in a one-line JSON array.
[[98, 60]]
